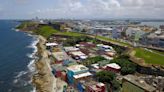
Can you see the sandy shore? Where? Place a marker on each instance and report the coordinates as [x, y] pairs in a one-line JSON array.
[[43, 80]]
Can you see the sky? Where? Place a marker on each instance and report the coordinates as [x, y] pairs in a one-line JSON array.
[[81, 9]]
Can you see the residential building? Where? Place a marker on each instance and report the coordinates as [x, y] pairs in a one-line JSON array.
[[76, 72], [155, 39], [112, 67], [134, 33]]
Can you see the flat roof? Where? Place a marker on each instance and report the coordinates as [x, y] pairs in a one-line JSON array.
[[78, 53], [82, 75], [77, 68], [105, 46], [67, 49], [51, 44], [95, 66], [58, 67], [99, 44], [113, 65], [107, 57], [139, 82], [100, 84], [84, 57], [103, 28], [60, 56], [93, 87]]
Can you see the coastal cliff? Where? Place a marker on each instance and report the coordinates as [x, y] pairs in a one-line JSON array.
[[43, 79]]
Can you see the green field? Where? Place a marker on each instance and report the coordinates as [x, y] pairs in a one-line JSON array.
[[113, 41], [149, 57], [69, 33], [46, 31]]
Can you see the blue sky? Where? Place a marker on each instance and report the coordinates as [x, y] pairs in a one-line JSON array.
[[100, 9]]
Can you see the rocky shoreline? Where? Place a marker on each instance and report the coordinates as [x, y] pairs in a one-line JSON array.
[[43, 80]]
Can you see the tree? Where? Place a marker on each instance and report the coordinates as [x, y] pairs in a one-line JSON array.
[[115, 85], [128, 70], [105, 76], [127, 67], [93, 60], [109, 78], [118, 49]]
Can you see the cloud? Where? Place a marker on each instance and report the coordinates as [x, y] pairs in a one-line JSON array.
[[103, 9], [21, 1], [1, 8]]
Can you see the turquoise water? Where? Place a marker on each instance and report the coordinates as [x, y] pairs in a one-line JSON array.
[[16, 50]]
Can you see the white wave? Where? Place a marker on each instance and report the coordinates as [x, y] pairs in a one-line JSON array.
[[15, 81], [34, 90], [31, 66], [25, 83], [33, 46], [30, 35], [34, 43], [16, 30], [21, 73], [30, 55]]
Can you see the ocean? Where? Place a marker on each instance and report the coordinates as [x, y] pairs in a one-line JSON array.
[[153, 24], [17, 54]]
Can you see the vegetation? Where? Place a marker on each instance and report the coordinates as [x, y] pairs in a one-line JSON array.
[[25, 25], [45, 31], [115, 85], [105, 76], [109, 78], [158, 52], [118, 49], [149, 56], [93, 60], [76, 39], [70, 34], [127, 67], [21, 26], [112, 41]]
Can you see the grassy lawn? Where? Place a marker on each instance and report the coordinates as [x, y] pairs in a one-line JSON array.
[[46, 31], [113, 41], [160, 52], [69, 33], [149, 57]]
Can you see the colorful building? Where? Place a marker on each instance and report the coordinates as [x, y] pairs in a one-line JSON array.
[[76, 72]]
